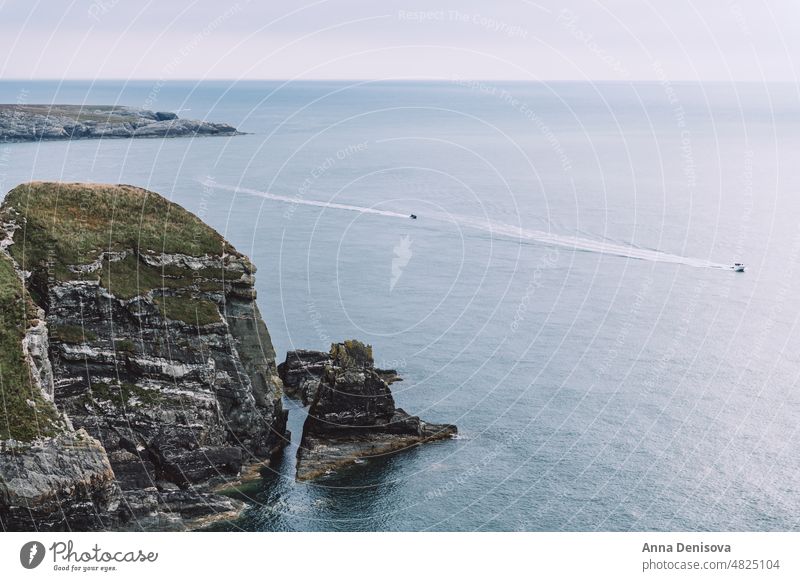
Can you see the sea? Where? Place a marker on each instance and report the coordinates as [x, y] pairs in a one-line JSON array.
[[565, 294]]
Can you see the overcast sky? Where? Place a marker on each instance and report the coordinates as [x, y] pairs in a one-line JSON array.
[[376, 39]]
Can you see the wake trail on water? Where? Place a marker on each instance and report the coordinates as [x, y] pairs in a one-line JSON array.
[[503, 230], [582, 244], [305, 202]]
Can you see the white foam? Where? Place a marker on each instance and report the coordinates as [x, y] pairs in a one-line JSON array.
[[304, 202], [581, 244]]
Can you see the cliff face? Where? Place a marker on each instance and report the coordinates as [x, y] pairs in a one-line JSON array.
[[156, 347], [353, 415], [50, 474], [56, 483], [59, 122]]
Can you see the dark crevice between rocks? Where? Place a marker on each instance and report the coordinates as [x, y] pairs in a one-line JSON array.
[[352, 413]]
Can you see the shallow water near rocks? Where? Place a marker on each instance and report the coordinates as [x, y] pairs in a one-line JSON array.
[[559, 297]]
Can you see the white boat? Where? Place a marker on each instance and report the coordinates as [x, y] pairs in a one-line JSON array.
[[738, 267]]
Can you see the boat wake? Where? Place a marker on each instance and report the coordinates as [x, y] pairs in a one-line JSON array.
[[305, 202], [583, 244], [500, 229]]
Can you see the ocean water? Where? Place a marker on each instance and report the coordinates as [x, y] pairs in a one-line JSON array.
[[563, 295]]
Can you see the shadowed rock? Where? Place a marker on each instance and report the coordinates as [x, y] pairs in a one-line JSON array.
[[301, 373], [353, 416], [303, 369]]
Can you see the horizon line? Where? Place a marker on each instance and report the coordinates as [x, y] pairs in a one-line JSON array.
[[398, 79]]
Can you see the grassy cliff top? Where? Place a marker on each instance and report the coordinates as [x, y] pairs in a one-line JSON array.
[[72, 223], [24, 412]]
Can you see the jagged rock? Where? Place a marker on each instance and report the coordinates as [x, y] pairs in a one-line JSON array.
[[54, 122], [353, 416], [54, 484], [175, 510], [303, 369], [301, 373], [390, 376], [156, 346]]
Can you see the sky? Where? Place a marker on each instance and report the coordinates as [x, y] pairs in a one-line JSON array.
[[720, 40]]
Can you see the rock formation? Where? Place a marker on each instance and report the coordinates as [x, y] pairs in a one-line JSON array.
[[301, 373], [142, 328], [303, 369], [59, 122], [353, 415], [50, 473], [56, 483], [137, 375]]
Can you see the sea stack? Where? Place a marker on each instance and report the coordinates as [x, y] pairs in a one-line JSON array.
[[353, 416]]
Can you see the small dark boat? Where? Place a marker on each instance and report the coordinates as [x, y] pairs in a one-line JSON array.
[[413, 216]]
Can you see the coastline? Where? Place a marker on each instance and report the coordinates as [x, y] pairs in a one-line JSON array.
[[34, 123]]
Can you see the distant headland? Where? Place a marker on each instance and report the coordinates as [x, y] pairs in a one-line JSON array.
[[20, 123]]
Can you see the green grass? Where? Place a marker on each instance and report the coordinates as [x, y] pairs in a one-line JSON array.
[[18, 418], [70, 224], [124, 345], [130, 277], [63, 225], [123, 394], [189, 310], [352, 352], [71, 334]]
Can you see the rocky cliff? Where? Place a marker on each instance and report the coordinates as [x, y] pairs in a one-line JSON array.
[[59, 122], [143, 341], [56, 483], [50, 473], [353, 414]]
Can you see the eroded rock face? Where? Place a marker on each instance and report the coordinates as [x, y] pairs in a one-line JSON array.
[[354, 416], [161, 356], [175, 510], [303, 369], [59, 483], [301, 373], [169, 400]]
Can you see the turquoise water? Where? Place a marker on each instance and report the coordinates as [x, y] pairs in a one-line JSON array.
[[561, 296]]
